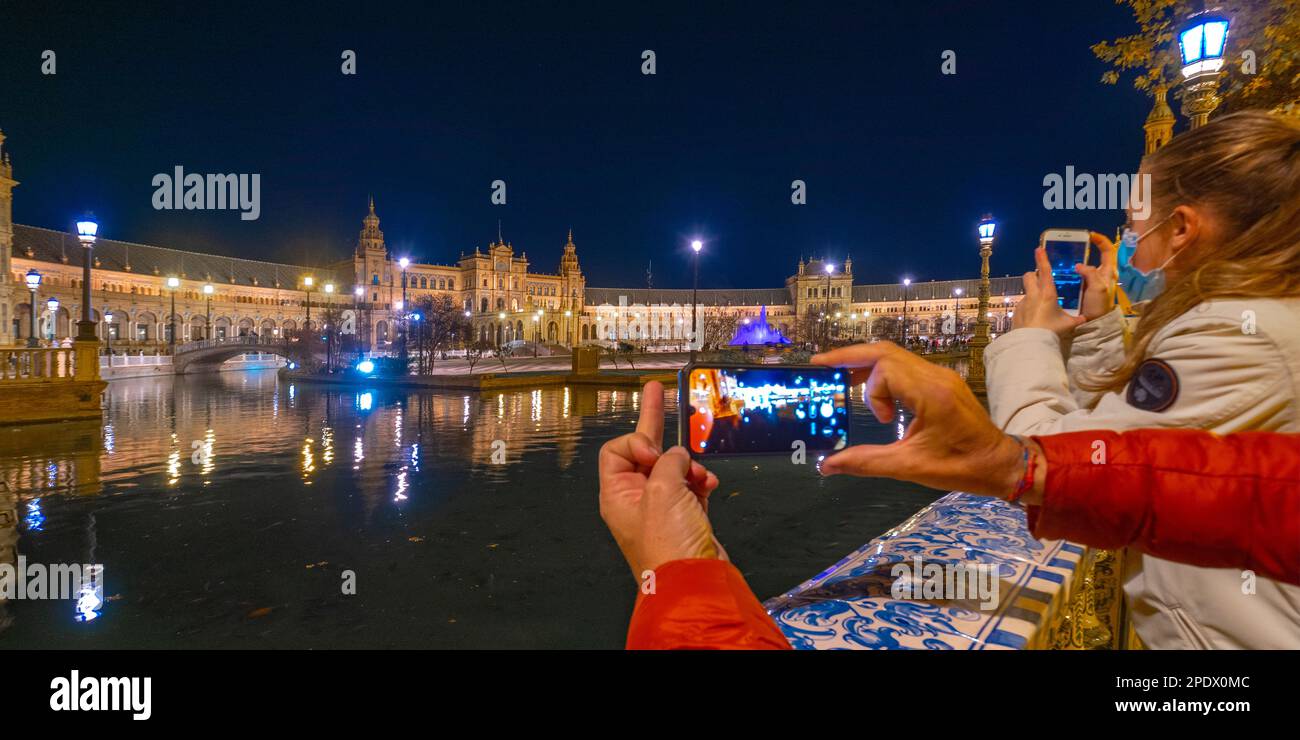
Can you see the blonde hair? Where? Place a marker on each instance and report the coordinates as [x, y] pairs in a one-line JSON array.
[[1244, 169]]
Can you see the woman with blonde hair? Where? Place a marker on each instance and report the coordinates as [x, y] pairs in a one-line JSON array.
[[1213, 270]]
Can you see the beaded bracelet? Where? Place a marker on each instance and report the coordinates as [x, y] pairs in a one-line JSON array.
[[1026, 482]]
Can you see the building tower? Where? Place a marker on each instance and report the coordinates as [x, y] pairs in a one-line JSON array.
[[574, 290], [7, 184], [372, 269], [1159, 126]]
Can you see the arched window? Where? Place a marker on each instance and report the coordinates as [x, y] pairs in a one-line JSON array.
[[484, 307]]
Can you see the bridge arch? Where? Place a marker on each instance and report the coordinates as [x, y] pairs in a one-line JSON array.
[[209, 354]]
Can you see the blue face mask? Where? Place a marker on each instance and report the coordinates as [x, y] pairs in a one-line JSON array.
[[1139, 286]]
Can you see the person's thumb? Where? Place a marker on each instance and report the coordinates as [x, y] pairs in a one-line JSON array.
[[669, 473], [864, 460]]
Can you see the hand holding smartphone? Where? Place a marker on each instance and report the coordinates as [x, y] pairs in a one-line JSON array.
[[727, 410], [1065, 249]]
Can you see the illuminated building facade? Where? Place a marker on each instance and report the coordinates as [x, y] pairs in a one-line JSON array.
[[506, 300]]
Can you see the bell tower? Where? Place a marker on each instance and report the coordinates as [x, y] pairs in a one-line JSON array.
[[1159, 125], [574, 285], [7, 184], [372, 258]]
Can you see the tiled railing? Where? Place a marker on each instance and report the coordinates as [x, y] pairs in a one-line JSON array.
[[38, 364], [1048, 594]]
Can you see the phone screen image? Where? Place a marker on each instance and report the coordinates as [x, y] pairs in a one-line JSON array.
[[1063, 256], [739, 410]]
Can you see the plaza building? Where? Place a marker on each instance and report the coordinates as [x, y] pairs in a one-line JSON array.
[[217, 297]]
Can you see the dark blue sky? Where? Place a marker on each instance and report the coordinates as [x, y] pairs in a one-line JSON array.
[[900, 161]]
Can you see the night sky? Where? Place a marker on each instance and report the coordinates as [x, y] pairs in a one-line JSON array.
[[900, 161]]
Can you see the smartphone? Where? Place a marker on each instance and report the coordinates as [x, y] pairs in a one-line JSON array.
[[1065, 249], [727, 410]]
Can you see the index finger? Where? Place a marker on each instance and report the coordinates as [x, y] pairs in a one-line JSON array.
[[651, 423], [856, 355]]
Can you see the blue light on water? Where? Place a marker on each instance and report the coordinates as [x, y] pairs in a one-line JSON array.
[[366, 367], [365, 401]]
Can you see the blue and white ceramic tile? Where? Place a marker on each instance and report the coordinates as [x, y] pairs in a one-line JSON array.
[[849, 606]]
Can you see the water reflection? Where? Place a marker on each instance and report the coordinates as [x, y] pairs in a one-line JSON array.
[[469, 519]]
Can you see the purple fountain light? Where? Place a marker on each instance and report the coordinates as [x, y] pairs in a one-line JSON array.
[[758, 332]]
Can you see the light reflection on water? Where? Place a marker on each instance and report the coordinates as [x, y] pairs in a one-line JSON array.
[[227, 509]]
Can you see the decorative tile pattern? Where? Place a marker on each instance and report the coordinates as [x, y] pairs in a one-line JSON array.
[[849, 606]]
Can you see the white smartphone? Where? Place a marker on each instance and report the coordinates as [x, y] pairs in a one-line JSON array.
[[1065, 249]]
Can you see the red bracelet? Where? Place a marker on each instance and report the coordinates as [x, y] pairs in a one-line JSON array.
[[1027, 482]]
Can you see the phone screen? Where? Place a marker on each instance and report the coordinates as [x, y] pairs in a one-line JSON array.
[[745, 410], [1063, 256]]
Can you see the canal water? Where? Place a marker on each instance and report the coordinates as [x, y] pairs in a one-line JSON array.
[[229, 510]]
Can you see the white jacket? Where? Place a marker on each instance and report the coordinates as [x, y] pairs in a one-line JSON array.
[[1237, 368]]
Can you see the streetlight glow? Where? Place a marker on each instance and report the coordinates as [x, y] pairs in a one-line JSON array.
[[207, 289], [173, 283], [87, 229], [697, 245], [987, 228], [404, 262], [1202, 44]]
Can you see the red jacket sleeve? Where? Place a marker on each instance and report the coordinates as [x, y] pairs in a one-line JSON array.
[[1183, 495], [701, 605]]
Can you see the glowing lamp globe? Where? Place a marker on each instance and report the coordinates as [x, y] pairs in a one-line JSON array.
[[987, 228], [697, 245], [87, 229], [33, 280], [365, 367], [52, 304], [208, 289], [173, 283], [1202, 44], [404, 262]]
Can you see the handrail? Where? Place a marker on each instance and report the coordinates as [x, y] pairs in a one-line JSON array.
[[244, 341], [37, 364]]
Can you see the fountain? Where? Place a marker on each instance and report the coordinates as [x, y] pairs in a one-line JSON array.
[[758, 332]]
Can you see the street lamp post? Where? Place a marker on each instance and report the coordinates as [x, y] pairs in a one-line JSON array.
[[907, 289], [308, 282], [173, 283], [87, 229], [1201, 45], [357, 292], [568, 327], [537, 331], [108, 332], [826, 313], [329, 336], [956, 313], [52, 305], [696, 246], [207, 320], [33, 280], [987, 230], [404, 263]]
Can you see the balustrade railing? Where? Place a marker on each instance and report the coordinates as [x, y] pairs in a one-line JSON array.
[[41, 364]]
